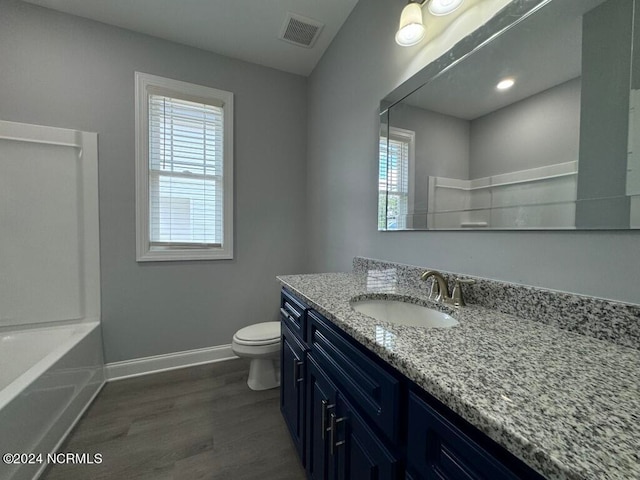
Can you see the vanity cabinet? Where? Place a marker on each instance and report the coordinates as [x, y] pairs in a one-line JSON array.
[[438, 449], [373, 390], [321, 403], [353, 417], [359, 452], [292, 386], [293, 368], [341, 445], [293, 315]]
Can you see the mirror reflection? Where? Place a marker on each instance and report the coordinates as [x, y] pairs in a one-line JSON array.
[[535, 130]]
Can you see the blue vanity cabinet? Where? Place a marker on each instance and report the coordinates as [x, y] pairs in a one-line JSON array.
[[293, 314], [322, 396], [359, 453], [340, 445], [438, 449], [354, 417], [373, 390], [292, 386]]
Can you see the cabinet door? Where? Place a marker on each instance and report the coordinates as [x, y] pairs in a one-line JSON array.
[[292, 391], [439, 450], [321, 402], [359, 453], [368, 386]]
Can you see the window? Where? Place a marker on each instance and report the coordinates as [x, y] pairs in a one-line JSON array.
[[184, 171], [395, 174]]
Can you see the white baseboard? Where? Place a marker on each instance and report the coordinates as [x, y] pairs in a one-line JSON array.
[[169, 361]]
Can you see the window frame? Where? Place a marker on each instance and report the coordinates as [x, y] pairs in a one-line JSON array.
[[191, 92], [408, 137]]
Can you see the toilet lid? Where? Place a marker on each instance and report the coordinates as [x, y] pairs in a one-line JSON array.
[[260, 332]]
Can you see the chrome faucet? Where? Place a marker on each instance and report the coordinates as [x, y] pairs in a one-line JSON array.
[[440, 288]]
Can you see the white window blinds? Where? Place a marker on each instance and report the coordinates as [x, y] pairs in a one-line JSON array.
[[394, 183], [185, 172]]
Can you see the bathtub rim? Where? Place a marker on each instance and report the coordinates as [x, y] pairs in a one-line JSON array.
[[18, 385]]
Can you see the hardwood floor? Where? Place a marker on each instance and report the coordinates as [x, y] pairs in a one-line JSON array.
[[194, 423]]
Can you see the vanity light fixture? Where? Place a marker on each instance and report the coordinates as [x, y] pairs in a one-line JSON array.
[[411, 30], [444, 7], [506, 84]]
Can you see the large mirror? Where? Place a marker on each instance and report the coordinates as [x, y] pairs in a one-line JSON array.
[[529, 123]]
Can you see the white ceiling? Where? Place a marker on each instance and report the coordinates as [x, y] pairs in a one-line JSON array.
[[244, 29], [543, 51]]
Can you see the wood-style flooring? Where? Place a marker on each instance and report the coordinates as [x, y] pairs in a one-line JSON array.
[[189, 424]]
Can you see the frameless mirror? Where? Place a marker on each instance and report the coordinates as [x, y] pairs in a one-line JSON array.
[[528, 123]]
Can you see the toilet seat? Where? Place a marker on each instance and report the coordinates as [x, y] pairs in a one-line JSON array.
[[266, 333], [256, 343]]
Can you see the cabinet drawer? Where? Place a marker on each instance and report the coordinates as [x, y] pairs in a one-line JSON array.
[[368, 386], [438, 449], [293, 314]]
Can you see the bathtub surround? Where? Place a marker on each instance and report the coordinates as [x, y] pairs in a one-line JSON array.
[[562, 402], [362, 65], [67, 71], [49, 247], [615, 322], [56, 377], [51, 360]]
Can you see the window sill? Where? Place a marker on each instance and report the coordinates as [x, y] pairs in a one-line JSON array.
[[184, 254]]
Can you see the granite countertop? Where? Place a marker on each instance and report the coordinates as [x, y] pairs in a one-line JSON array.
[[566, 404]]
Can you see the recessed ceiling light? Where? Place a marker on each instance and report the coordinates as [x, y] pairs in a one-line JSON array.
[[444, 7], [506, 84]]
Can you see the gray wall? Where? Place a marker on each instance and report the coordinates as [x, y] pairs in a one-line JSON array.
[[541, 130], [604, 123], [363, 65], [70, 72]]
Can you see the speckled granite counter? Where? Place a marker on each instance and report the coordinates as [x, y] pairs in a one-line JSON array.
[[566, 404]]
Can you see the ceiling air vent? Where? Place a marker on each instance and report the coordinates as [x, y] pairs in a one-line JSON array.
[[300, 30]]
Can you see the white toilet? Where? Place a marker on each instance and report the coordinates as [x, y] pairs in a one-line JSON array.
[[260, 343]]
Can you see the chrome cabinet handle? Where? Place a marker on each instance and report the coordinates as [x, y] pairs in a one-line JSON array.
[[291, 312], [334, 425], [325, 408], [296, 372], [286, 315]]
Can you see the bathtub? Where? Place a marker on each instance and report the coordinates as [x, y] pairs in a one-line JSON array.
[[48, 377]]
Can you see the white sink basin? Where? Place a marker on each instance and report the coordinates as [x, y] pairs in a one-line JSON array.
[[403, 313]]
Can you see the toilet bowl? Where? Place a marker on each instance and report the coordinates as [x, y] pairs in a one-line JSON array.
[[260, 343]]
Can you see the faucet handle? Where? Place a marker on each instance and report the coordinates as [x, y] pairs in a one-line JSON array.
[[435, 290], [456, 294]]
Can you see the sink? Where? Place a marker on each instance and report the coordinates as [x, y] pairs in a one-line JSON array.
[[403, 313]]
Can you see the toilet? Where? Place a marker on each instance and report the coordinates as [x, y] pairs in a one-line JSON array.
[[260, 343]]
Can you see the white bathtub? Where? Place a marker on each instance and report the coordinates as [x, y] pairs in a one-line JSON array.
[[48, 377]]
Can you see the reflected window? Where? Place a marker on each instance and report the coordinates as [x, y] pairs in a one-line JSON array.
[[385, 338], [396, 163], [382, 280]]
